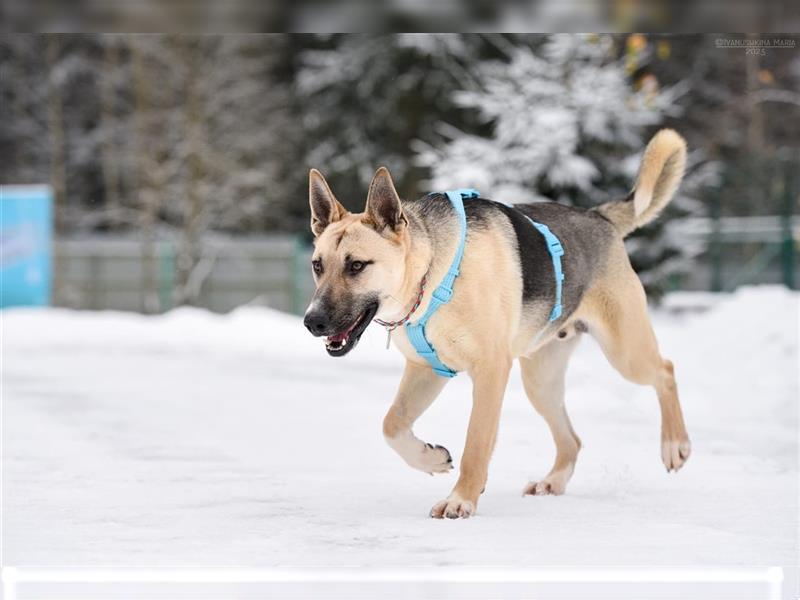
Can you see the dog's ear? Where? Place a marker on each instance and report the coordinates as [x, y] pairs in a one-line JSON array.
[[325, 208], [383, 204]]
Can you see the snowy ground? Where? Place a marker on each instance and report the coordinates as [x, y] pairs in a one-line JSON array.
[[234, 440]]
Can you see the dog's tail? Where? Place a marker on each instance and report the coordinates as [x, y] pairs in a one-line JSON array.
[[660, 174]]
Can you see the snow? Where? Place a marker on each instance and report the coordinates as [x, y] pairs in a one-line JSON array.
[[200, 439]]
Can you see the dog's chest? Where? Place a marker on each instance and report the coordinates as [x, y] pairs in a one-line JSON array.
[[436, 334], [402, 343]]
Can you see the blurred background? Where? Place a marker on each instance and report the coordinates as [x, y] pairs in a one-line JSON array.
[[145, 172]]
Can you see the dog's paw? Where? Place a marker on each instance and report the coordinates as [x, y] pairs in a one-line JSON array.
[[554, 484], [675, 453], [453, 507], [433, 459]]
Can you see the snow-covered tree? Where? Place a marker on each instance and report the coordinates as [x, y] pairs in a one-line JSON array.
[[366, 98], [24, 99], [218, 137], [560, 121], [158, 134], [564, 119]]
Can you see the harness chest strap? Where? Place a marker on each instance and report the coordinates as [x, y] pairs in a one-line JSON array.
[[444, 291]]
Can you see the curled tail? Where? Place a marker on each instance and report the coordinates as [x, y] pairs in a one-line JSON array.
[[660, 174]]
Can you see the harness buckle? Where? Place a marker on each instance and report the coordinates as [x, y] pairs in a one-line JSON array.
[[443, 294], [556, 249]]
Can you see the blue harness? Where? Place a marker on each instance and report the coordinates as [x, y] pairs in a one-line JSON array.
[[444, 291]]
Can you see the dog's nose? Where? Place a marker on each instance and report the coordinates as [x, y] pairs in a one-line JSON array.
[[316, 322]]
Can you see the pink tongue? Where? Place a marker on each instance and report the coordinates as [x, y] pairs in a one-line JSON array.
[[341, 336]]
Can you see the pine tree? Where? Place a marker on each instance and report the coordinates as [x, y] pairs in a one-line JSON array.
[[368, 98], [564, 124]]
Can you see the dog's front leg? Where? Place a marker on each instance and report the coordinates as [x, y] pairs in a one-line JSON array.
[[418, 389], [489, 384]]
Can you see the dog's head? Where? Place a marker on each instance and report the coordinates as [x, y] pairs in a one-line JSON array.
[[359, 260]]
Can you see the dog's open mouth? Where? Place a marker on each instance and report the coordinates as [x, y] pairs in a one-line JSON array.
[[344, 341]]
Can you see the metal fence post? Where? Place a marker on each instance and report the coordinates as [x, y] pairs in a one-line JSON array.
[[788, 250], [166, 276], [716, 244], [298, 271]]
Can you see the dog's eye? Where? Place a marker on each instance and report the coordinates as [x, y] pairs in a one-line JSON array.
[[317, 266], [357, 266]]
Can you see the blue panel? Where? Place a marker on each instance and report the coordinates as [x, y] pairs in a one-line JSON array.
[[26, 231]]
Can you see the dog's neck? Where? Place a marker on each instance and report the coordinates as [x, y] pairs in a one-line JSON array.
[[427, 254], [417, 262]]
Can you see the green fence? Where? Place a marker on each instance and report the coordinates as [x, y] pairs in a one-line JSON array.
[[102, 273], [741, 249]]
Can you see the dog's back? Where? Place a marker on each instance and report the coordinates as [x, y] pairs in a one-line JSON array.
[[592, 238]]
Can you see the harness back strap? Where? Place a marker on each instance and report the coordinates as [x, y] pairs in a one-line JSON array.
[[444, 291], [556, 252]]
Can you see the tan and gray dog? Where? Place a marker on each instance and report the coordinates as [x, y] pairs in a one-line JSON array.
[[373, 264]]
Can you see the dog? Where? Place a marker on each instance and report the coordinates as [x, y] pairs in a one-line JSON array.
[[376, 264]]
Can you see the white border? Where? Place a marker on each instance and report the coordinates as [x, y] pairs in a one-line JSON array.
[[12, 576]]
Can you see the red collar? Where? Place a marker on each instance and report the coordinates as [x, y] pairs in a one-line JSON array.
[[390, 325]]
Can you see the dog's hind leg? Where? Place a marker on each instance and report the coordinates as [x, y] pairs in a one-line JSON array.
[[543, 376], [419, 387], [622, 327]]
